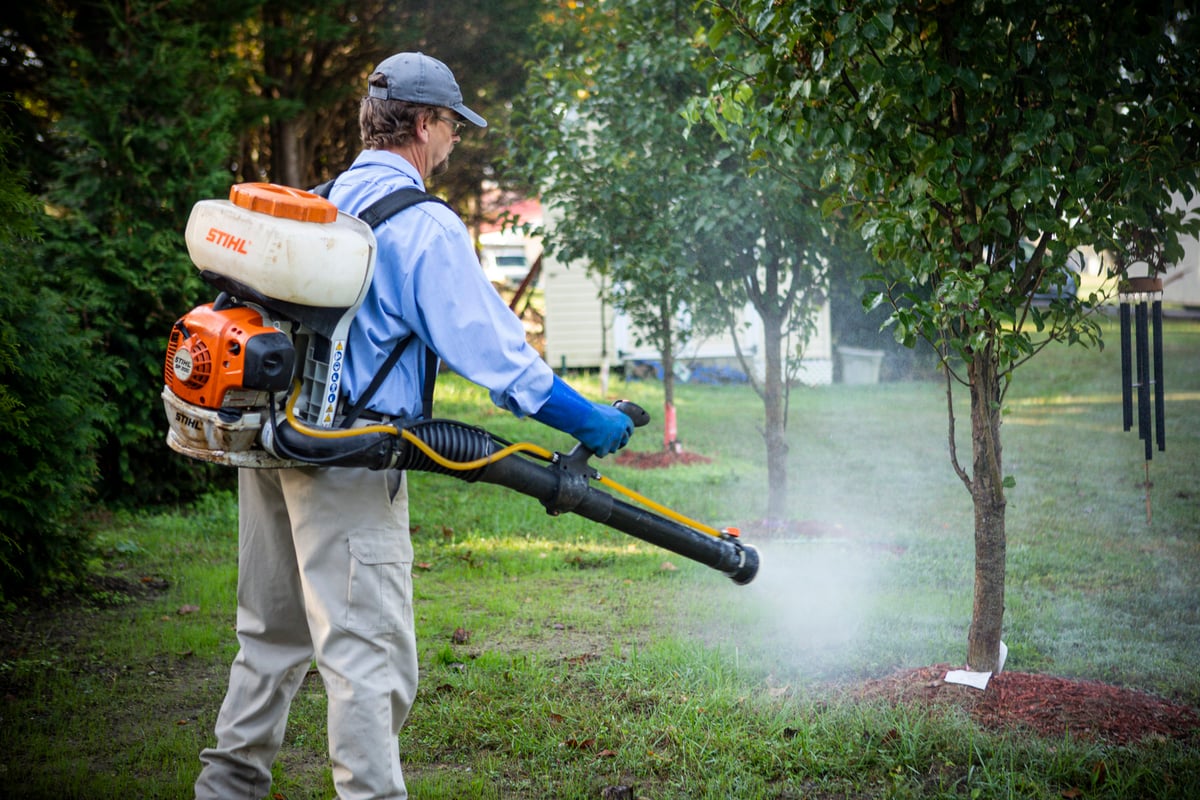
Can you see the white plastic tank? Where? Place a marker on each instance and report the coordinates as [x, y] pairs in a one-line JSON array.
[[286, 243]]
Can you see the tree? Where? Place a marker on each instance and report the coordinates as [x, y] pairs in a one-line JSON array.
[[760, 240], [143, 122], [52, 399], [305, 66], [488, 44], [685, 224], [128, 113], [598, 130], [976, 145]]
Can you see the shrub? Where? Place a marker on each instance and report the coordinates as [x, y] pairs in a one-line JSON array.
[[53, 406]]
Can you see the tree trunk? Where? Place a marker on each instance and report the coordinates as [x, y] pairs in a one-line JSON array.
[[666, 348], [285, 154], [774, 422], [987, 494]]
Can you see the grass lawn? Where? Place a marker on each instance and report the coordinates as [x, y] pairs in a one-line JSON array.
[[561, 659]]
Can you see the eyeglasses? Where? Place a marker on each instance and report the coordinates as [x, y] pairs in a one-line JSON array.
[[456, 125]]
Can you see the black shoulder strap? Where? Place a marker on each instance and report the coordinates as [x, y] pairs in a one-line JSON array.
[[351, 412], [386, 207], [375, 215]]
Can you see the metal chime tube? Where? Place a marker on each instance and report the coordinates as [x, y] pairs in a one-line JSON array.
[[1126, 368], [1143, 375], [1159, 398], [1137, 291]]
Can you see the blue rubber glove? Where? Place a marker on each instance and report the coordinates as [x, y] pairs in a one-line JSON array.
[[600, 428]]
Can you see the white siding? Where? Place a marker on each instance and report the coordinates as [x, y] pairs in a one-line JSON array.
[[575, 333], [816, 367], [1181, 284], [577, 338]]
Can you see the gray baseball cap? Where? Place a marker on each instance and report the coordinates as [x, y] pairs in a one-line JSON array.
[[418, 78]]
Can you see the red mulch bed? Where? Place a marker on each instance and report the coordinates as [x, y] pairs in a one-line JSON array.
[[659, 459], [1045, 705]]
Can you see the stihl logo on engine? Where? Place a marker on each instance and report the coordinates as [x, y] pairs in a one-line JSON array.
[[227, 240], [183, 364], [187, 421]]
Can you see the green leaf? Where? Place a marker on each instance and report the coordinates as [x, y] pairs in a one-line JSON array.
[[1010, 163], [717, 32], [1026, 51]]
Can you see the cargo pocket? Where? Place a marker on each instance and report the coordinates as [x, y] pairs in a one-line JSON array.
[[380, 593]]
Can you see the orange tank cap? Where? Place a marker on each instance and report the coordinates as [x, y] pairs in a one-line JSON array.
[[734, 532], [284, 202]]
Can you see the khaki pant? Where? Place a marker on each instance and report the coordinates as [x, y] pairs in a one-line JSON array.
[[324, 572]]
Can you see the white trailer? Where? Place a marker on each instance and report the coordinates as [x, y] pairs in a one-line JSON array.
[[581, 334], [1181, 284]]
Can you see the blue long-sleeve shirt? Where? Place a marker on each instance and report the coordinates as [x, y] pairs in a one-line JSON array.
[[428, 282]]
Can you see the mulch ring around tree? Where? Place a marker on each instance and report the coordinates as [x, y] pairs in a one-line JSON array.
[[659, 459], [1048, 706]]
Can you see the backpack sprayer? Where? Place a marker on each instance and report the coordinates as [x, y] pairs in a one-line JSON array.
[[253, 378]]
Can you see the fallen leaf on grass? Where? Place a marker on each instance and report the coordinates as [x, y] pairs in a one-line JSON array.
[[576, 744], [460, 636], [667, 566], [423, 565], [188, 609], [606, 754], [580, 659]]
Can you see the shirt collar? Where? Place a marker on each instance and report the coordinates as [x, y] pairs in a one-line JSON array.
[[388, 159]]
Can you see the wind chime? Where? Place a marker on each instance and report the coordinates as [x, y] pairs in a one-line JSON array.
[[1141, 364]]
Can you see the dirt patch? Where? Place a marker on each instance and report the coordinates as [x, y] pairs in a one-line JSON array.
[[659, 459], [1048, 706]]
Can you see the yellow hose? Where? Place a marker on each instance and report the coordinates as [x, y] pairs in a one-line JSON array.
[[328, 433], [466, 466], [409, 436], [661, 509]]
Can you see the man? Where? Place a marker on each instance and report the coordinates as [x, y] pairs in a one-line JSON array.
[[324, 565]]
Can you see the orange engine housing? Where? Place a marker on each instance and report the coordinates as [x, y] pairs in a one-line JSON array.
[[227, 357]]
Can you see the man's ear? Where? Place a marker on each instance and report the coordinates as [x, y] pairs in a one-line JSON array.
[[424, 122]]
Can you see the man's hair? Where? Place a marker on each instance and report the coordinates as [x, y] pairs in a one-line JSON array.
[[389, 123]]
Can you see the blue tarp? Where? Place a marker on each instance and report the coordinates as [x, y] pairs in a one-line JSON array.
[[692, 373]]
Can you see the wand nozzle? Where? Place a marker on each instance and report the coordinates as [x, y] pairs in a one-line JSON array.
[[721, 550]]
